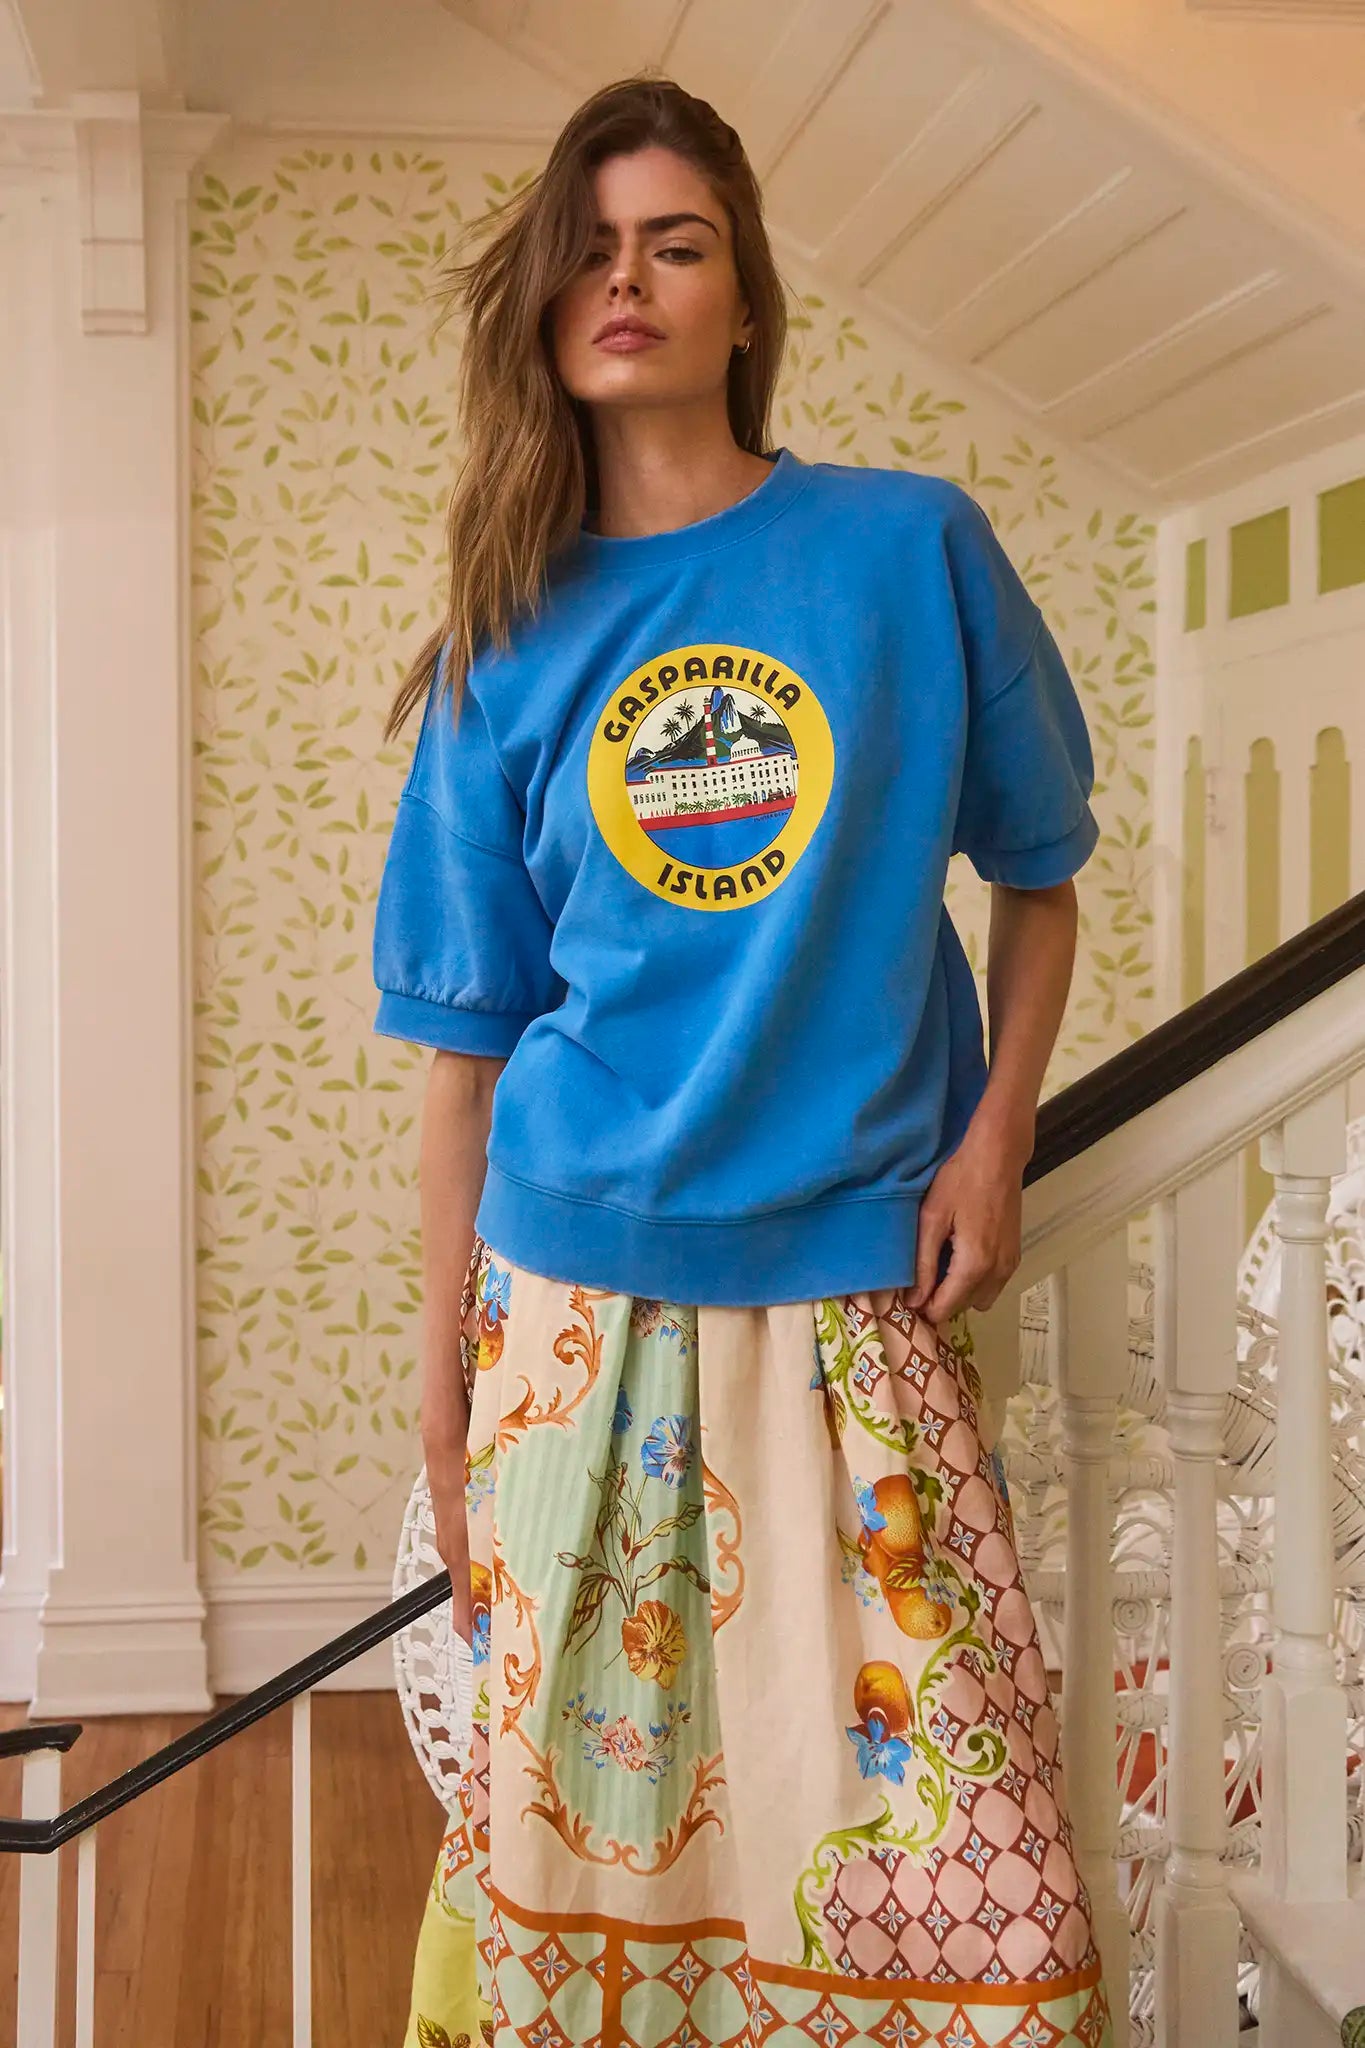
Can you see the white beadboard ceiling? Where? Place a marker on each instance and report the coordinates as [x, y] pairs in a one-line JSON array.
[[1022, 230], [1029, 231]]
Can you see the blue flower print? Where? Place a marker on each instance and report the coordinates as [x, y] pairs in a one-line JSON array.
[[880, 1755], [666, 1452], [870, 1514], [479, 1640], [622, 1419], [868, 1589], [817, 1378], [497, 1291], [937, 1586], [998, 1467]]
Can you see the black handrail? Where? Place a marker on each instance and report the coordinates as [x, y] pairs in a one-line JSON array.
[[40, 1735], [1154, 1066], [41, 1836], [1198, 1037]]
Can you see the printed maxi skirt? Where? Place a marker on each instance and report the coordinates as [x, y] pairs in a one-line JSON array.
[[763, 1745]]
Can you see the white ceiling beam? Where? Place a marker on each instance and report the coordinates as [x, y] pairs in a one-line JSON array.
[[1255, 314], [965, 132], [1325, 426], [1027, 25], [818, 40], [21, 82], [1096, 233]]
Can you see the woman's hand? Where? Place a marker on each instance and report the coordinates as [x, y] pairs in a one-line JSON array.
[[976, 1199]]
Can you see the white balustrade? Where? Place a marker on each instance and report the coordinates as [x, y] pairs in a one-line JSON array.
[[1196, 1350], [38, 1878], [301, 1860], [1090, 1321], [39, 1886], [1304, 1709], [85, 1940]]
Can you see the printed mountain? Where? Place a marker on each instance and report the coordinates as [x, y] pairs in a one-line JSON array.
[[728, 724]]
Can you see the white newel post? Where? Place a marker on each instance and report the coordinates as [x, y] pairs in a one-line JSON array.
[[39, 1896], [1303, 1707], [1090, 1318], [99, 1232], [1196, 1348]]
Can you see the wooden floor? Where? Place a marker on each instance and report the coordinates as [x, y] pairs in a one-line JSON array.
[[193, 1913]]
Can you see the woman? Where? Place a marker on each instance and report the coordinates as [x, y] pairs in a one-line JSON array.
[[763, 1743]]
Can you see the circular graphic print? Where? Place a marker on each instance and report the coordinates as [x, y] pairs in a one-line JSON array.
[[709, 769]]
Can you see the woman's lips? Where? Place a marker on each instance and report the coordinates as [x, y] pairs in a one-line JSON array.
[[626, 340]]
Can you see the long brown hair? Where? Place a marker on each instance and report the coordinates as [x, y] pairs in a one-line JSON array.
[[529, 472]]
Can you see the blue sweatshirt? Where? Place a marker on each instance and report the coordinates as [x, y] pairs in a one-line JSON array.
[[681, 864]]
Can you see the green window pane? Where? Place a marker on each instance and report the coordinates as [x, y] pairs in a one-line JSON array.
[[1196, 585], [1341, 536], [1258, 564]]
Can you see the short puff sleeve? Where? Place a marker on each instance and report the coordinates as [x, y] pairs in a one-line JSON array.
[[461, 938], [1023, 815]]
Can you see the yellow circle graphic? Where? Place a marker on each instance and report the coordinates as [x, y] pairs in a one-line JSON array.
[[709, 769]]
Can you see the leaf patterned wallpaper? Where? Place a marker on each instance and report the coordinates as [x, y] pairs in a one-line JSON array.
[[323, 449]]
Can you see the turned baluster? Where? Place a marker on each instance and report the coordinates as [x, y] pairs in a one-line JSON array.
[[1197, 1930]]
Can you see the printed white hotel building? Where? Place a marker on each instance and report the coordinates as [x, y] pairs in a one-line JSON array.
[[748, 780]]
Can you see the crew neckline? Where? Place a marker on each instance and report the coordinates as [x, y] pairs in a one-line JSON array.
[[787, 475]]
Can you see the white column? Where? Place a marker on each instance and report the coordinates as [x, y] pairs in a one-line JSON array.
[[28, 1198], [1090, 1318], [1303, 1824], [1196, 1342], [100, 1235]]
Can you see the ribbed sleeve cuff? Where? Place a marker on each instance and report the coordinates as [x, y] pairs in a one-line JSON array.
[[446, 1028], [1041, 867]]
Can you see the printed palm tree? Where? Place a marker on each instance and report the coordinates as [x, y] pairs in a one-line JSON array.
[[671, 727], [686, 714]]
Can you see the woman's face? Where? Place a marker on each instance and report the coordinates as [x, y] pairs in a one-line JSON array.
[[661, 256]]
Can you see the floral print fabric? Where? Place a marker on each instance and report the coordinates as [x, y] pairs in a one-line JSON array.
[[764, 1750]]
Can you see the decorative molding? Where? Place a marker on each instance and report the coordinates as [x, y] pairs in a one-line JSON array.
[[110, 211], [18, 1644], [35, 139], [1298, 12], [258, 1626], [143, 1655], [109, 143], [349, 131]]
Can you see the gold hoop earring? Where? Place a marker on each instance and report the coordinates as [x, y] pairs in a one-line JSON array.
[[743, 347]]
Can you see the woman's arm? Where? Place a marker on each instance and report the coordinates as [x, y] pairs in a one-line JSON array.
[[456, 1114], [976, 1196]]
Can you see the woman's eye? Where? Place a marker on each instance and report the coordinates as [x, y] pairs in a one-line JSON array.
[[692, 255]]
